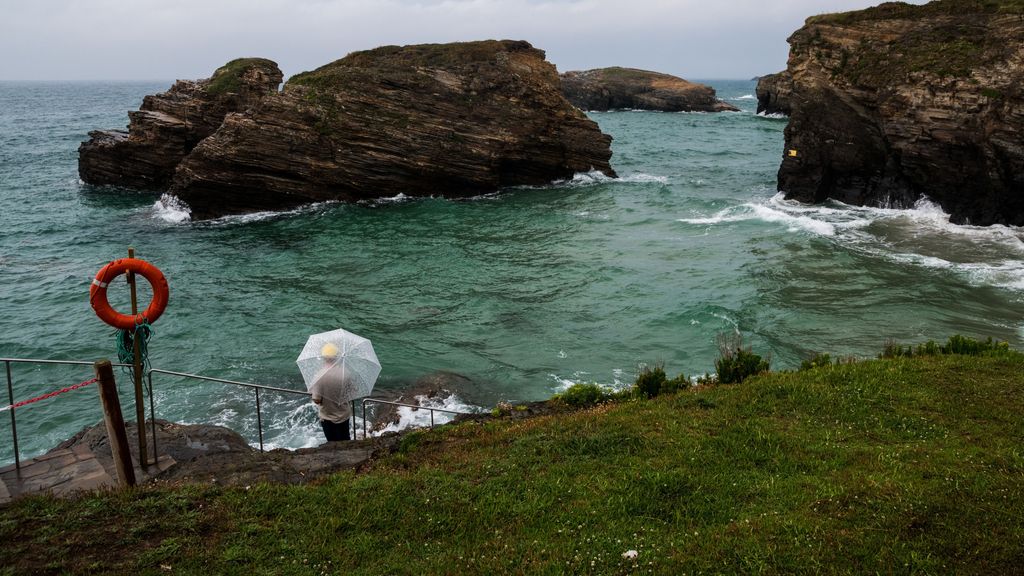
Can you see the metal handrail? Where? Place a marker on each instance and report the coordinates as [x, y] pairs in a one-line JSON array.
[[10, 392], [152, 412], [393, 403], [256, 388]]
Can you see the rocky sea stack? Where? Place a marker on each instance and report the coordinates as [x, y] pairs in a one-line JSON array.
[[631, 89], [442, 119], [169, 125], [899, 101], [773, 93]]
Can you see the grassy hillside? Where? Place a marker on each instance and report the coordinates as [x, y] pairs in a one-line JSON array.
[[908, 465]]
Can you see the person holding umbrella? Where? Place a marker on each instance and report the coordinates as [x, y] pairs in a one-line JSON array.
[[334, 415], [337, 367]]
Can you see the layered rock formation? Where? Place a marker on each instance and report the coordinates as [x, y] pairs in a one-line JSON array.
[[169, 125], [628, 88], [450, 120], [773, 93], [898, 102]]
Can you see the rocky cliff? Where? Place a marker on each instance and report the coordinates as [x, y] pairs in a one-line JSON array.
[[449, 120], [773, 93], [628, 88], [169, 125], [898, 102]]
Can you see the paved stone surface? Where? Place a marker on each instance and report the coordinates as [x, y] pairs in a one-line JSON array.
[[61, 472], [65, 471], [189, 453]]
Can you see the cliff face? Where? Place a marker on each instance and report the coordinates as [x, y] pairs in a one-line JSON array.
[[627, 88], [169, 125], [450, 120], [897, 102], [773, 93]]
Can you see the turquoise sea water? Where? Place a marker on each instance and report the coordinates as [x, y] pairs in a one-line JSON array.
[[523, 292]]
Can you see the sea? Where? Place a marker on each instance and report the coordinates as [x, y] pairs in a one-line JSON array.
[[521, 293]]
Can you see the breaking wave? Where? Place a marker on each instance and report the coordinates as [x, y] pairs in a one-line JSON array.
[[921, 236], [420, 417], [595, 177], [171, 209]]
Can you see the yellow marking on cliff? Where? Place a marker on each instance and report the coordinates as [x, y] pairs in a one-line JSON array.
[[792, 153]]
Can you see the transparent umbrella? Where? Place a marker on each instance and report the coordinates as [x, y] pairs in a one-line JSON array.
[[338, 365]]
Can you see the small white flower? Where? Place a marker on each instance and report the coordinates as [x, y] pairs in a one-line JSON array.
[[630, 554]]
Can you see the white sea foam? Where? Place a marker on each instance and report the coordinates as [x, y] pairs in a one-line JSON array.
[[640, 177], [919, 236], [398, 198], [765, 213], [563, 383], [300, 428], [735, 324], [270, 214], [171, 209], [774, 115], [595, 177], [745, 97], [419, 418]]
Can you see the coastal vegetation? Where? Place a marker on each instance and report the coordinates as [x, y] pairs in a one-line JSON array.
[[897, 10], [228, 78], [904, 464]]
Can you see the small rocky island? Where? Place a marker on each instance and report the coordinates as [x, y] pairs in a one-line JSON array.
[[897, 102], [439, 119], [631, 89]]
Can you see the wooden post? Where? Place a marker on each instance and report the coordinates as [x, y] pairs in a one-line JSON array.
[[115, 423], [140, 408]]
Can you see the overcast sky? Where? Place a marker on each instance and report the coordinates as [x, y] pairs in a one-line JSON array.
[[170, 39]]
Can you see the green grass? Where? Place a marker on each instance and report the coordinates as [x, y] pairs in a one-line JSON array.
[[909, 465], [228, 78], [956, 41], [897, 10]]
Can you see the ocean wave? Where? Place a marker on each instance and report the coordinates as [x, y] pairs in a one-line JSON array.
[[171, 209], [396, 199], [421, 417], [921, 236], [248, 218], [596, 177], [750, 211], [745, 97], [773, 116], [563, 383]]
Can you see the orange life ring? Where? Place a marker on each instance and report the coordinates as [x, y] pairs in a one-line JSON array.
[[98, 292]]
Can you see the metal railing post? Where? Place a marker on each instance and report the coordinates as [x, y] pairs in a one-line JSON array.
[[259, 418], [152, 408], [14, 426], [152, 414]]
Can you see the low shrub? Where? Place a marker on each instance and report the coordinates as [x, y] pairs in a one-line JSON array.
[[817, 361], [736, 363], [582, 395], [957, 344], [651, 382]]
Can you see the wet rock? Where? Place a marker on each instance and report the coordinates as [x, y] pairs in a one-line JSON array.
[[440, 119], [773, 93], [169, 125], [900, 102], [431, 389]]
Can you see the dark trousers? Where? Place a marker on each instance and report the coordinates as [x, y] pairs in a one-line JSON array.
[[336, 431]]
